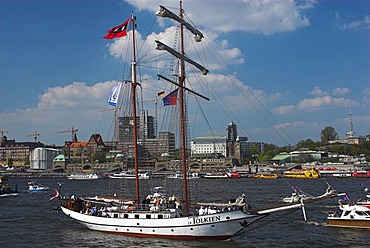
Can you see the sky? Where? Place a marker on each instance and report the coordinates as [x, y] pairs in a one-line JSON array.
[[291, 68]]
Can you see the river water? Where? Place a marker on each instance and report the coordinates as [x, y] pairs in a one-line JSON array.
[[29, 219]]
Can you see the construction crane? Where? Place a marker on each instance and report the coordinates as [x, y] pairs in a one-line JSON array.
[[115, 135], [74, 133], [35, 135]]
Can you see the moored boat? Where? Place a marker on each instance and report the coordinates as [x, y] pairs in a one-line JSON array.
[[178, 175], [266, 176], [363, 173], [83, 176], [313, 173], [130, 175], [222, 174]]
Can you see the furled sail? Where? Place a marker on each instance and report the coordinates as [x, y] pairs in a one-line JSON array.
[[162, 46], [164, 12]]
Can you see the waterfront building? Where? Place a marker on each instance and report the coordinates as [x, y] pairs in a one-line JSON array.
[[208, 145], [17, 152], [42, 158]]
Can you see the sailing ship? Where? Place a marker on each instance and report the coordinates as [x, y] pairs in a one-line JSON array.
[[158, 215]]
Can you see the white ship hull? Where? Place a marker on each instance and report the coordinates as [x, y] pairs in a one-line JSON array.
[[215, 226]]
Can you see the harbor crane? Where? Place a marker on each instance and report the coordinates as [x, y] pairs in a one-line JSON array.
[[35, 135], [74, 133]]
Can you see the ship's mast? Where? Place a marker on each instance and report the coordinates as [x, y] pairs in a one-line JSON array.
[[182, 117], [133, 98], [164, 12]]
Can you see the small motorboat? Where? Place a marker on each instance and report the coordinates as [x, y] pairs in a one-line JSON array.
[[34, 187], [352, 215]]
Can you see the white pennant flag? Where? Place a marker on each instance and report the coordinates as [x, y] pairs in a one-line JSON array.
[[113, 95]]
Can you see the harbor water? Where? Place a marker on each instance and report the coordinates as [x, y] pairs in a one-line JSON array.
[[31, 220]]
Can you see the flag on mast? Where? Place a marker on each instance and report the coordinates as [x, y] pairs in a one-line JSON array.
[[55, 195], [171, 98], [114, 94], [118, 31]]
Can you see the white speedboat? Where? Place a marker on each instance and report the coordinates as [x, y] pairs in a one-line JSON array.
[[35, 187], [352, 215]]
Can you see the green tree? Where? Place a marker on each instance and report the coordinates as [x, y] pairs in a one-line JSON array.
[[328, 134], [306, 144]]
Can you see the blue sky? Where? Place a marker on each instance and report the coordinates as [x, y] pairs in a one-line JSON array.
[[304, 63]]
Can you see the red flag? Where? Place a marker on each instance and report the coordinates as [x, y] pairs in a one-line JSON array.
[[170, 99], [55, 195], [118, 31]]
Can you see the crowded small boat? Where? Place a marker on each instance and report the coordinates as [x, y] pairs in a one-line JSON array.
[[5, 188]]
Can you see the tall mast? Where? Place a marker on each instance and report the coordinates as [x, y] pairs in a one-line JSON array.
[[133, 96], [164, 12], [182, 117]]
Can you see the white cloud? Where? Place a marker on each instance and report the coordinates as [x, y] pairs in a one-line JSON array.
[[283, 110], [325, 102], [262, 16], [315, 104], [59, 108], [317, 91], [341, 91], [356, 25]]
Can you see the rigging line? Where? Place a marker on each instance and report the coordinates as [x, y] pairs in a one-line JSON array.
[[204, 116], [225, 106], [228, 111], [264, 108]]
